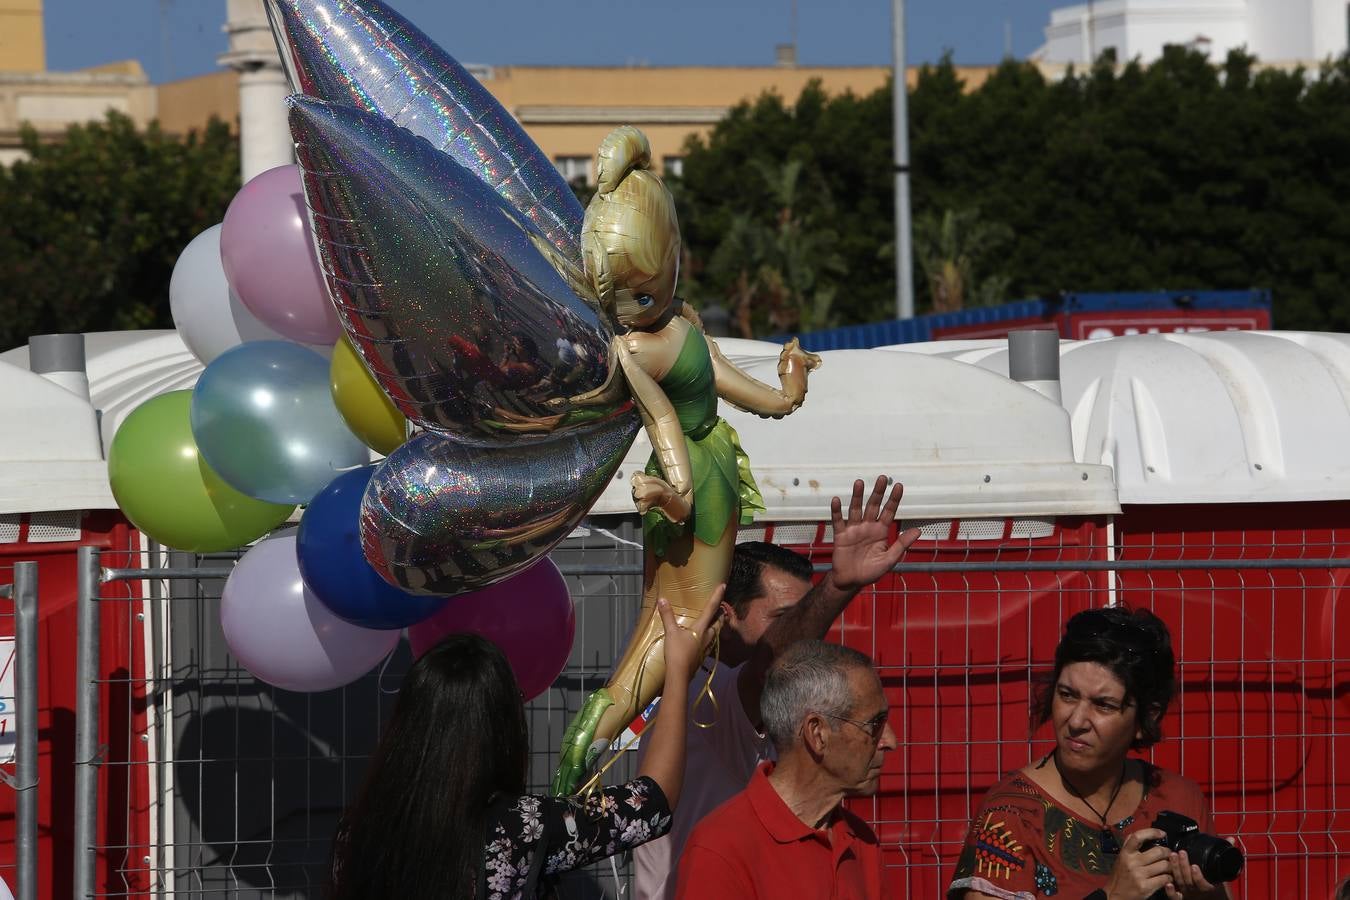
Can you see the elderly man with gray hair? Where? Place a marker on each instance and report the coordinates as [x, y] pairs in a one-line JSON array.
[[786, 834]]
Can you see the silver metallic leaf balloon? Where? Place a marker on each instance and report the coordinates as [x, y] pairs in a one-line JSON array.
[[361, 53], [471, 321], [441, 517]]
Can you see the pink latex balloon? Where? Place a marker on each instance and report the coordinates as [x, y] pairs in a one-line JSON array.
[[267, 249], [280, 631], [529, 616]]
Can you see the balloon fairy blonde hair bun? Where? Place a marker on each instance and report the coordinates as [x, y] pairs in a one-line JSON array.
[[623, 150], [630, 233]]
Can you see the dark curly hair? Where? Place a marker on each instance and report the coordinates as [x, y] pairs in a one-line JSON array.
[[1135, 646]]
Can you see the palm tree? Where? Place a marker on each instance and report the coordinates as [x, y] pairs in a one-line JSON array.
[[952, 250], [783, 272]]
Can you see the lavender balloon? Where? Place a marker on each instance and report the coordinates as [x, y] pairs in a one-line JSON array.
[[363, 54], [267, 250], [471, 321], [283, 635]]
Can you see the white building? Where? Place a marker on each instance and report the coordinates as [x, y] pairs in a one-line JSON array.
[[1276, 31], [265, 138]]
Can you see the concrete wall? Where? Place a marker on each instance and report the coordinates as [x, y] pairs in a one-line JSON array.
[[188, 104], [51, 101]]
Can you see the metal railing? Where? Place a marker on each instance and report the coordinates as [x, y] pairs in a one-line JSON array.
[[23, 592]]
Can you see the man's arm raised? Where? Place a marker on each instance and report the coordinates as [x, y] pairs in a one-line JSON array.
[[862, 554]]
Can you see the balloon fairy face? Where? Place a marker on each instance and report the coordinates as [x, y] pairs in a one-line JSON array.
[[631, 237]]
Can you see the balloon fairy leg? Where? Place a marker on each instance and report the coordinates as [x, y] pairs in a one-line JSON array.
[[686, 576]]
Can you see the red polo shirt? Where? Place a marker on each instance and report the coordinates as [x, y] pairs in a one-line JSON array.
[[754, 846]]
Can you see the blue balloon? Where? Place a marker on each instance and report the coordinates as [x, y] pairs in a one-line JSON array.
[[334, 569], [264, 419]]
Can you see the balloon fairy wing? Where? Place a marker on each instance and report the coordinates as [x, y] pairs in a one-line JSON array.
[[442, 517], [468, 317], [361, 53]]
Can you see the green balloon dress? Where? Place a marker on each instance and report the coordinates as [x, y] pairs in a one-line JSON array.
[[723, 483]]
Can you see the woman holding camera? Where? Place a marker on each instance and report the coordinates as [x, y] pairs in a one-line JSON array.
[[1078, 823]]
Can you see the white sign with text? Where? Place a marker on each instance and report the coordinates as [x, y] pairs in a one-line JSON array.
[[8, 738]]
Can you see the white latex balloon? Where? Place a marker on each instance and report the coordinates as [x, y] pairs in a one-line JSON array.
[[209, 315]]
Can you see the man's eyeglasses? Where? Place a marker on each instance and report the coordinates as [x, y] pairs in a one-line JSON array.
[[874, 727]]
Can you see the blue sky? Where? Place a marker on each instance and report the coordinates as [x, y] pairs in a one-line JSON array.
[[84, 33]]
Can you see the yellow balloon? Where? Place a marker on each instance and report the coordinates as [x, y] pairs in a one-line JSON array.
[[365, 407]]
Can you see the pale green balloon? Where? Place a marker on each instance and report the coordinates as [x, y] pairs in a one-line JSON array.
[[169, 492]]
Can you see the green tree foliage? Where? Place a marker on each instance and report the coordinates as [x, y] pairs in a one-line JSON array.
[[91, 225], [1181, 174], [787, 269], [1178, 175]]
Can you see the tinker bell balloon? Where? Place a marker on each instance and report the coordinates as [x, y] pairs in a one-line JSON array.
[[527, 350], [697, 487]]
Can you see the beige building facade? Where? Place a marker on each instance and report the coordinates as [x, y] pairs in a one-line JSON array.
[[568, 110]]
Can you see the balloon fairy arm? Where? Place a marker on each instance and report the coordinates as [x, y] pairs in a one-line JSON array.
[[750, 394], [673, 495], [612, 392]]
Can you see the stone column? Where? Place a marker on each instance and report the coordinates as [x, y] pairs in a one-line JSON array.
[[265, 139]]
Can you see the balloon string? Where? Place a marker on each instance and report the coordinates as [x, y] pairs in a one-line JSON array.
[[379, 679], [707, 692], [589, 787], [716, 650], [612, 536]]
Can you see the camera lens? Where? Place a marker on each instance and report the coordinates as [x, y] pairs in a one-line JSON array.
[[1219, 861]]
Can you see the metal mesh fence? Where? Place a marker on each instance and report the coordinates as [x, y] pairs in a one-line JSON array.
[[222, 786], [19, 755], [243, 783], [8, 720]]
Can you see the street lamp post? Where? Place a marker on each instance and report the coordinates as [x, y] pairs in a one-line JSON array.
[[904, 262]]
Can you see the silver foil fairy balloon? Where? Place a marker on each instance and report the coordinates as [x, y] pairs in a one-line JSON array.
[[480, 331], [450, 246], [361, 53]]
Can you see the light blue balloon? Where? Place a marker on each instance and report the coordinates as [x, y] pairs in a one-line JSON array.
[[264, 419]]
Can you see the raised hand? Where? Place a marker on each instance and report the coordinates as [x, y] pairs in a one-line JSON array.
[[862, 550], [686, 645]]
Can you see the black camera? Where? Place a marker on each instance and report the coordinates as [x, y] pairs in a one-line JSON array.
[[1219, 861]]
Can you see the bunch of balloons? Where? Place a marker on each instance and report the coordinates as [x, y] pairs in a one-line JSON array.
[[286, 414]]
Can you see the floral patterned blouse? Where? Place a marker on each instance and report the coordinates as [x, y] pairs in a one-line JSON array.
[[571, 831]]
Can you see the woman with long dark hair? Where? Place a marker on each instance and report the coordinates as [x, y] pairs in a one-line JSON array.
[[1078, 823], [444, 814]]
